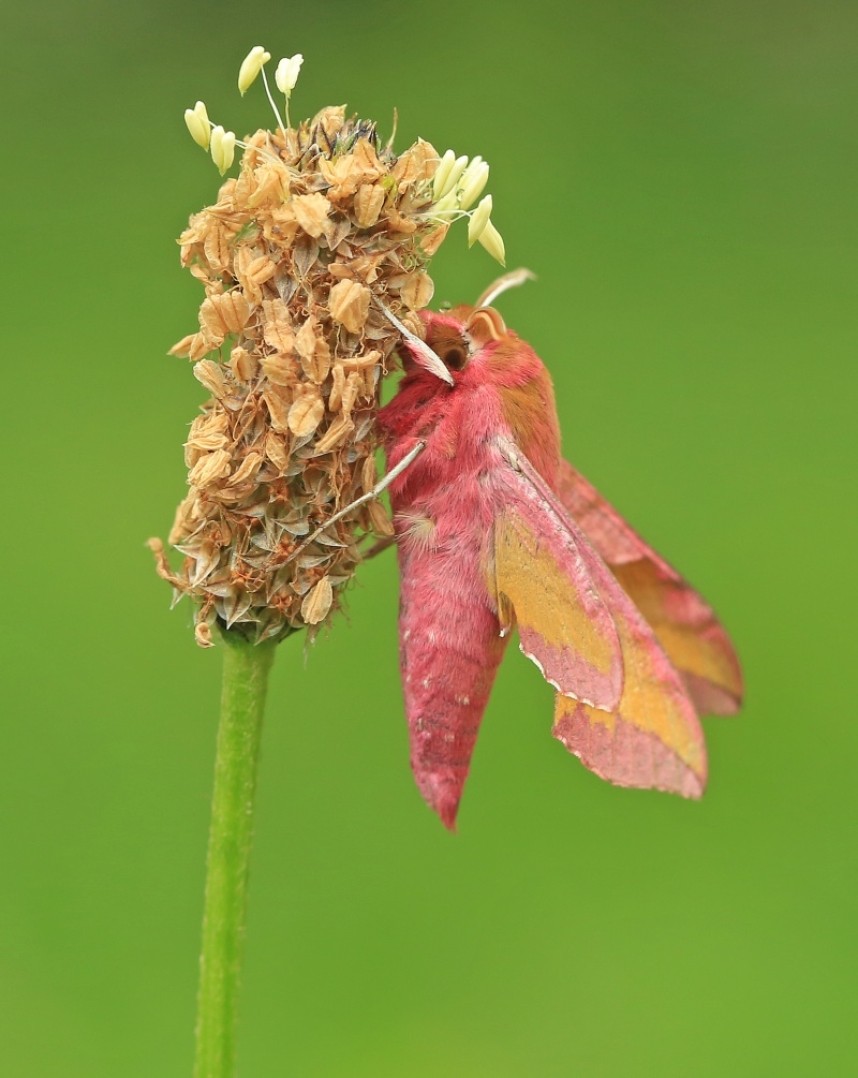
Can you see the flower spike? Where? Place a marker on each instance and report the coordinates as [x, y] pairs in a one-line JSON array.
[[306, 362]]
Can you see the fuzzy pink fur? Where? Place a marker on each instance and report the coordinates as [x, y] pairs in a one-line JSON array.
[[716, 685]]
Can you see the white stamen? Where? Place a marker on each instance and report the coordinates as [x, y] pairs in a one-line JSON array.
[[479, 220], [251, 65], [197, 121]]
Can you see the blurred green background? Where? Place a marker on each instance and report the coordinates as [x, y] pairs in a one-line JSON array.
[[682, 179]]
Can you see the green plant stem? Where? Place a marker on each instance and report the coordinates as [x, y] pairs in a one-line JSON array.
[[245, 678]]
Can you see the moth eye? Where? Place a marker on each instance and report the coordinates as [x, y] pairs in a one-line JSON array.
[[455, 358]]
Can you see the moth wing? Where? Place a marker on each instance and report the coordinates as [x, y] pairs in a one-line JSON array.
[[541, 579], [649, 736], [686, 626]]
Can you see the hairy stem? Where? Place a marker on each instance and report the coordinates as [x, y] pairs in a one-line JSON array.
[[245, 677]]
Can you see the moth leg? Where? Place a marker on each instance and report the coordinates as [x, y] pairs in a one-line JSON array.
[[381, 545], [370, 495]]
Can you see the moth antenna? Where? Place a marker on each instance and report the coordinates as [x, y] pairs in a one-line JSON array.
[[503, 284]]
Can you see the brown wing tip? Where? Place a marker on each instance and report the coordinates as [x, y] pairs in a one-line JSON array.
[[713, 699]]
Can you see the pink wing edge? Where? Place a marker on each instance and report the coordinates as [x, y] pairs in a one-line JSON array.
[[619, 752], [670, 598]]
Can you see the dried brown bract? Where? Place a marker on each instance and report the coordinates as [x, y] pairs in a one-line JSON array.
[[320, 224]]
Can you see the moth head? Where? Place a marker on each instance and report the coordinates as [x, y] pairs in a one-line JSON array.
[[458, 335], [452, 339]]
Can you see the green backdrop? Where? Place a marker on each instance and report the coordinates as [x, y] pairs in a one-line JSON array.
[[682, 179]]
